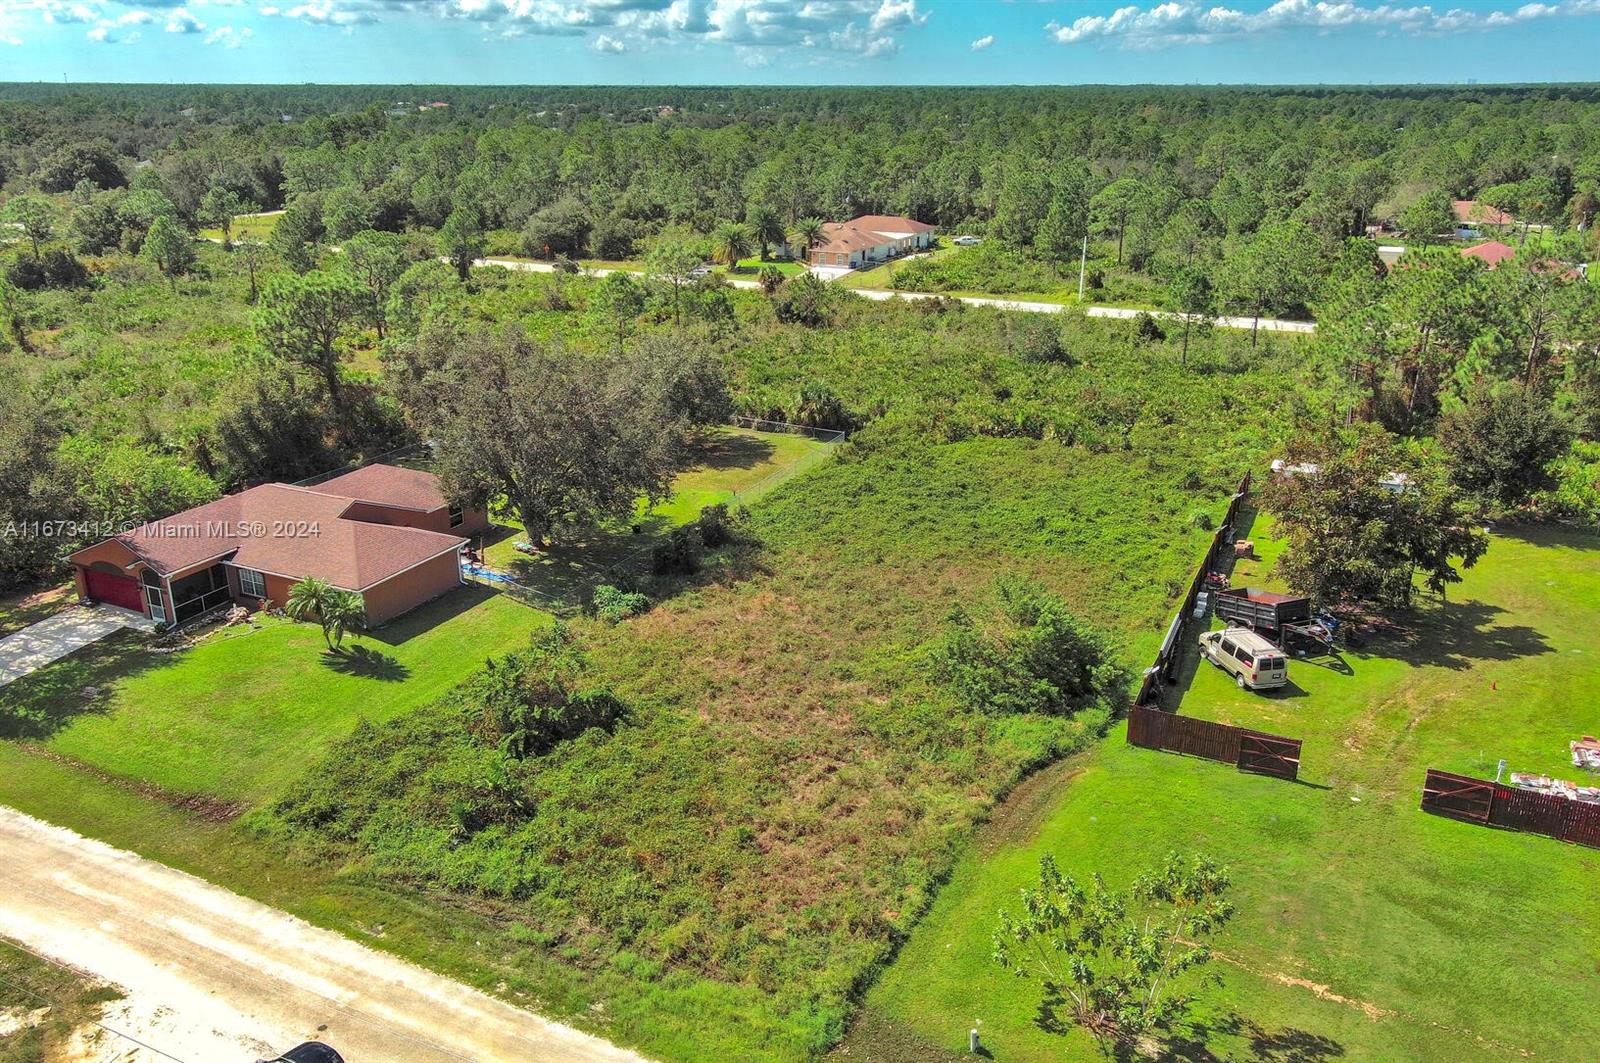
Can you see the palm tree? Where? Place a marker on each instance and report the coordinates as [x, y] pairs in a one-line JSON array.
[[337, 611], [806, 234], [764, 225], [732, 241]]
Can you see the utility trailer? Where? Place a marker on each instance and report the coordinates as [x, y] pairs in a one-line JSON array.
[[1261, 610], [1284, 618]]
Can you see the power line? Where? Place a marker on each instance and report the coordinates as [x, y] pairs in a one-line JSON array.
[[30, 991]]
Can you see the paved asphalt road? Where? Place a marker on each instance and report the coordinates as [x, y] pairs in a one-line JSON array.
[[230, 977]]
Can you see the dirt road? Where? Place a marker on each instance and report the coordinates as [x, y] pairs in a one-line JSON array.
[[212, 977]]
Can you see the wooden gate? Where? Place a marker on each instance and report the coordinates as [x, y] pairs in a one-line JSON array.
[[1266, 754], [1457, 796]]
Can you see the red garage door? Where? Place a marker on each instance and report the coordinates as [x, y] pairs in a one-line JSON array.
[[114, 589]]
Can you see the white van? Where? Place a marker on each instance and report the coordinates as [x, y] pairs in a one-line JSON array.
[[1254, 663]]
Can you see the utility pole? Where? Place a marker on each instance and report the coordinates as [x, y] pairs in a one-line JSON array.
[[1083, 262]]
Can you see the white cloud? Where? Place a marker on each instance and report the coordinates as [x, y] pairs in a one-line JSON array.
[[329, 12], [64, 13], [983, 42], [1186, 22], [180, 21], [229, 37], [107, 30], [859, 27], [609, 44]]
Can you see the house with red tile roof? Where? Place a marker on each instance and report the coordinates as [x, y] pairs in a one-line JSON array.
[[1490, 252], [869, 238], [1470, 212], [382, 532]]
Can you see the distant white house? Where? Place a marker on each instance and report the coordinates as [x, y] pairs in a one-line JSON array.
[[867, 239]]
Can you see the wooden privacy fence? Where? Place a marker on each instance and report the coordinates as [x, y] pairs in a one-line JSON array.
[[1496, 805], [1166, 660], [1247, 750]]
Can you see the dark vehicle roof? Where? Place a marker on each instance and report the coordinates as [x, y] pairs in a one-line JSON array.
[[310, 1052]]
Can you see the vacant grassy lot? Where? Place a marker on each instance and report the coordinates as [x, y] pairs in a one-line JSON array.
[[248, 227], [41, 1004], [726, 465], [238, 715], [1367, 929]]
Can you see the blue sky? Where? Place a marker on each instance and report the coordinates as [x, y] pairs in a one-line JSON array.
[[803, 42]]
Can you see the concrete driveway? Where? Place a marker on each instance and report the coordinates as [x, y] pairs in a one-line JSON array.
[[54, 637], [213, 977]]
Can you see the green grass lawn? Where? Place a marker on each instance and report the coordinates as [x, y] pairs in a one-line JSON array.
[[1367, 929], [729, 464], [247, 227], [749, 267], [240, 714]]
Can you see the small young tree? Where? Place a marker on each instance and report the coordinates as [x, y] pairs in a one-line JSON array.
[[1114, 959], [614, 305], [805, 300], [377, 260], [14, 317], [304, 318], [461, 239], [171, 247], [34, 216], [339, 612], [1191, 297], [219, 207], [669, 264], [253, 253]]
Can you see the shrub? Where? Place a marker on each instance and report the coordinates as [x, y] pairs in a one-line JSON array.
[[805, 300], [525, 704], [614, 605], [770, 278], [679, 553], [716, 526], [1036, 338], [1576, 495], [1148, 329], [818, 407], [1031, 656], [53, 269]]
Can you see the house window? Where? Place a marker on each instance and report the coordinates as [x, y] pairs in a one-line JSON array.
[[457, 515], [252, 584]]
